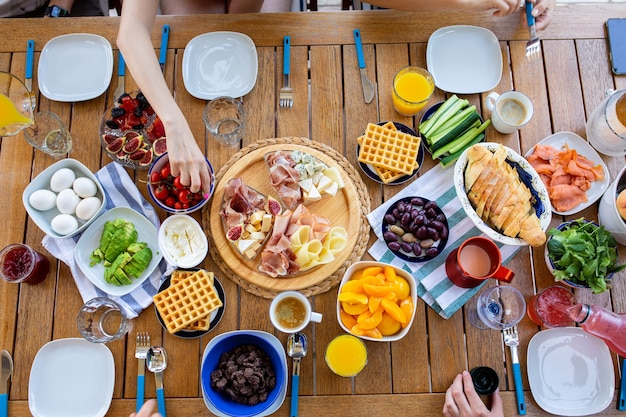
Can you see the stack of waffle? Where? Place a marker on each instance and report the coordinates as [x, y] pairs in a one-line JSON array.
[[392, 154], [188, 302]]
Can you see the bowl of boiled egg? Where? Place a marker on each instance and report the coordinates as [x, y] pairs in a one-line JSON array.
[[64, 198]]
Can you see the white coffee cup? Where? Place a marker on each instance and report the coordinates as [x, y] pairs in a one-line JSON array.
[[291, 312], [509, 111]]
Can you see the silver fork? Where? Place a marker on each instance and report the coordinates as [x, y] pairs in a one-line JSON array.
[[286, 93], [511, 339], [533, 46], [142, 344]]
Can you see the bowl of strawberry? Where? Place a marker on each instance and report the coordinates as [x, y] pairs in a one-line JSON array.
[[131, 133], [168, 193]]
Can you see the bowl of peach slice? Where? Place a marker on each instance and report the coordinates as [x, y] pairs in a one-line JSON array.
[[376, 301]]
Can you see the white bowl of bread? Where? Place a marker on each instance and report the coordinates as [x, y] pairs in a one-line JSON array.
[[503, 195]]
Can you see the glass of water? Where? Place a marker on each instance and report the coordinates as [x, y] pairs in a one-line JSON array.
[[497, 307], [102, 320]]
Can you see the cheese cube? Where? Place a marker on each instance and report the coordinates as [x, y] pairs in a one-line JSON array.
[[306, 184], [312, 196], [266, 224], [257, 216], [332, 189], [334, 174], [324, 183]]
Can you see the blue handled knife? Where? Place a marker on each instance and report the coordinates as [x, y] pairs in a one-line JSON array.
[[6, 371], [165, 37]]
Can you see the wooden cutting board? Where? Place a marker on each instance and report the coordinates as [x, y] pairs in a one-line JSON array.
[[344, 209]]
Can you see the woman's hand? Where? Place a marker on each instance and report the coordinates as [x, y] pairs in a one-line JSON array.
[[463, 401], [147, 410], [542, 12]]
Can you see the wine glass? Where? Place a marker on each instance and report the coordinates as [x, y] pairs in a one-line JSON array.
[[497, 308], [16, 111]]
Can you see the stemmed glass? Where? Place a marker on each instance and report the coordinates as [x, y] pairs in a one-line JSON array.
[[16, 110], [497, 308]]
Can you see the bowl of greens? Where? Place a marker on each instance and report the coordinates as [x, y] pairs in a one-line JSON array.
[[582, 254]]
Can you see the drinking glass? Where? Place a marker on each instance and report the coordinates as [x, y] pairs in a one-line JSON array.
[[224, 119], [548, 308], [102, 320], [497, 307], [49, 134], [16, 111], [412, 88]]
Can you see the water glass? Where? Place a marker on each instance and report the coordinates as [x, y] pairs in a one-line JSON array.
[[224, 119], [497, 308], [548, 308], [102, 320], [49, 134]]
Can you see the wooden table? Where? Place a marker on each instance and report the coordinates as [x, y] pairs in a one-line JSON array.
[[405, 378]]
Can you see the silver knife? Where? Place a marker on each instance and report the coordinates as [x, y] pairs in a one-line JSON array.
[[165, 36], [6, 368], [368, 86], [119, 90]]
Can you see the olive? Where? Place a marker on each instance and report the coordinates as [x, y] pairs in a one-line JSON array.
[[422, 232], [431, 213], [414, 214], [419, 219], [417, 249], [432, 233], [440, 218], [390, 219], [430, 204], [427, 243], [396, 213], [390, 236], [437, 225], [443, 234], [417, 201], [394, 246], [401, 207], [406, 218], [432, 252], [407, 247]]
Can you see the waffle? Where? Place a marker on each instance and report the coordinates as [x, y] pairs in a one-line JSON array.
[[388, 149], [205, 322], [190, 299], [386, 175]]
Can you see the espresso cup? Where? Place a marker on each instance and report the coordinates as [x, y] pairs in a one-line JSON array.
[[509, 111], [476, 260], [291, 312]]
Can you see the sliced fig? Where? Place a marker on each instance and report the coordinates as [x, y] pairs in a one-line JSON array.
[[116, 145], [131, 134], [138, 155], [132, 144], [108, 138], [147, 159], [235, 232], [272, 206], [159, 146]]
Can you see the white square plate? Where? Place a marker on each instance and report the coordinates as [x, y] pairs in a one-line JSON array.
[[220, 64], [75, 67], [90, 240], [71, 378], [464, 59], [570, 372], [573, 141]]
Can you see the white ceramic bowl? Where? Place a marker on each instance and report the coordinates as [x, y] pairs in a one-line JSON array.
[[42, 182], [608, 216], [184, 254], [400, 272], [528, 176]]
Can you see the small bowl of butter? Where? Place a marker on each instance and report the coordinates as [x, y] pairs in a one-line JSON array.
[[182, 241]]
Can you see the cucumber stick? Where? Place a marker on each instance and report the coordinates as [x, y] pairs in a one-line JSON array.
[[448, 109], [458, 130], [451, 124], [462, 140], [448, 159]]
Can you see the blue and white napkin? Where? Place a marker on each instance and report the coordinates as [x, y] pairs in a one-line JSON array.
[[433, 285], [120, 191]]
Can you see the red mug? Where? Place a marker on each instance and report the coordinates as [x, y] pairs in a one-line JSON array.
[[476, 260]]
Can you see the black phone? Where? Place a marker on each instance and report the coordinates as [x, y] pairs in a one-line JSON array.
[[616, 34]]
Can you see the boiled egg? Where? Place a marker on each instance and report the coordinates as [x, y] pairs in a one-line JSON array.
[[42, 200], [67, 200], [62, 179], [64, 224], [84, 187], [88, 207]]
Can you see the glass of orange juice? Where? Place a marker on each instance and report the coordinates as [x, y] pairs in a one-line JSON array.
[[412, 88], [346, 355], [16, 112]]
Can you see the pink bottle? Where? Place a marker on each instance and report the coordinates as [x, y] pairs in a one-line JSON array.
[[605, 324]]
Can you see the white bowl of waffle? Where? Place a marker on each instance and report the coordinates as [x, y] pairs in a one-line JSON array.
[[190, 303], [503, 195]]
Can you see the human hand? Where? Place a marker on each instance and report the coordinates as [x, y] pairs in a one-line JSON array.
[[146, 410], [542, 12], [463, 401], [502, 7]]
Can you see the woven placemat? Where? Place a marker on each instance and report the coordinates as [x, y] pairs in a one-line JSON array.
[[363, 204]]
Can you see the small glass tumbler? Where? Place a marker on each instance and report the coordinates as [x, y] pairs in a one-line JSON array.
[[497, 308], [548, 308], [49, 134], [224, 119], [21, 263], [412, 88], [346, 355], [102, 320], [485, 380]]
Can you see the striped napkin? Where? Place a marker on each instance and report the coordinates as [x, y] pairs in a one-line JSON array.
[[433, 285], [120, 191]]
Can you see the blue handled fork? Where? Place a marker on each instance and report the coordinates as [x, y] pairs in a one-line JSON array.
[[533, 46], [511, 339]]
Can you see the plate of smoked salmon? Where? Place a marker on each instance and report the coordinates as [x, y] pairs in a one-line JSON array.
[[572, 171]]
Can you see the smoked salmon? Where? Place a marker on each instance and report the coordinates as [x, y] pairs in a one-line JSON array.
[[566, 174]]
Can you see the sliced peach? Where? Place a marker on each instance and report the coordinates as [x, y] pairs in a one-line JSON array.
[[394, 310], [347, 319], [377, 290], [406, 306], [352, 298], [388, 325], [353, 309]]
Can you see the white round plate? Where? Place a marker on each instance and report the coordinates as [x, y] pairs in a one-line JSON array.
[[220, 64], [90, 240], [464, 59], [573, 141], [71, 378], [527, 175], [570, 372], [75, 67]]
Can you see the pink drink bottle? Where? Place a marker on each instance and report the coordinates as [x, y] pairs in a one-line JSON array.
[[605, 324]]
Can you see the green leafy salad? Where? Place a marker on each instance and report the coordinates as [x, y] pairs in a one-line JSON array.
[[584, 253]]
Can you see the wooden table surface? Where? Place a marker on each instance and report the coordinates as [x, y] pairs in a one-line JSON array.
[[404, 378]]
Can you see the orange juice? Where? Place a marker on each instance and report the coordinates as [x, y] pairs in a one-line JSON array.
[[412, 88], [10, 115], [346, 355]]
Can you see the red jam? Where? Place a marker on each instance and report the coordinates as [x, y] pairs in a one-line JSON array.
[[19, 263]]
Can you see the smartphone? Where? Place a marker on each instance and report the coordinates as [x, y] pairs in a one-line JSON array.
[[616, 34]]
